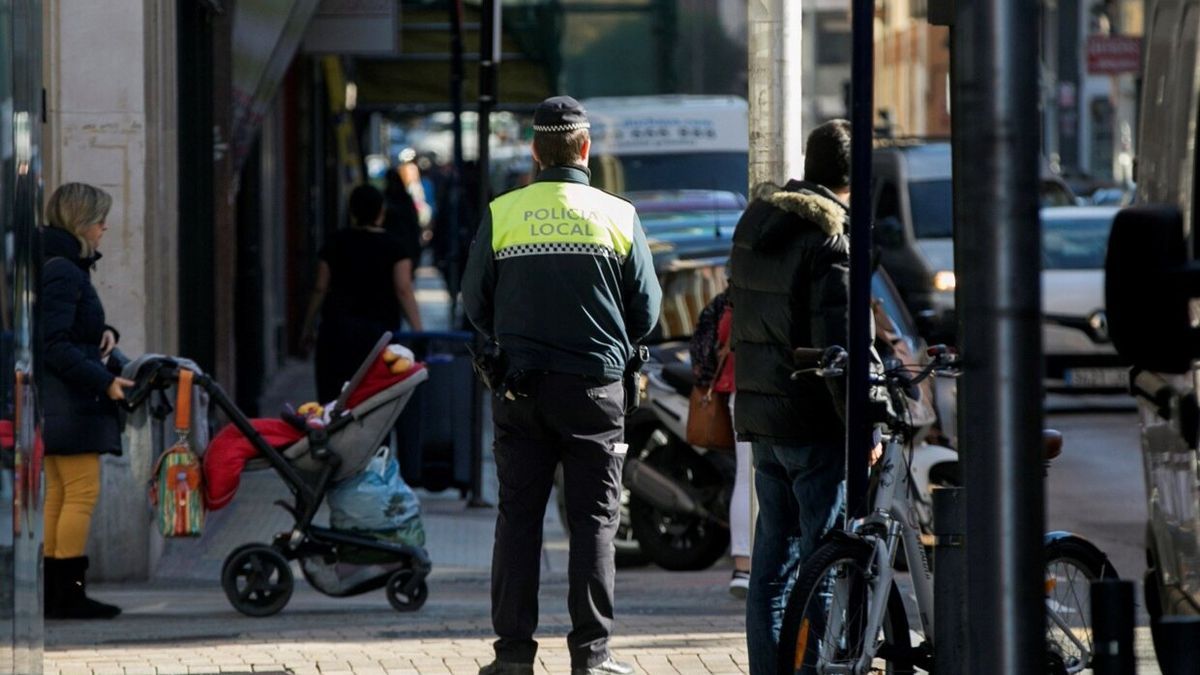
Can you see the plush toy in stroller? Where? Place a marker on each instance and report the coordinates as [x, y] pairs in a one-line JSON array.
[[311, 452]]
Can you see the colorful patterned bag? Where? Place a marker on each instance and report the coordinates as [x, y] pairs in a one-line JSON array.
[[176, 489]]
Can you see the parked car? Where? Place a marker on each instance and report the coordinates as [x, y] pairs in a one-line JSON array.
[[1080, 356], [914, 229], [688, 224], [1152, 282], [913, 206]]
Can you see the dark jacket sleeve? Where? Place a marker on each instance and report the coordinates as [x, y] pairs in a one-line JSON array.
[[60, 295], [643, 296], [829, 303], [479, 280], [829, 293]]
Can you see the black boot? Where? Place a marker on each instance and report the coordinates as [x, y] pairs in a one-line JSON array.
[[72, 601], [50, 584]]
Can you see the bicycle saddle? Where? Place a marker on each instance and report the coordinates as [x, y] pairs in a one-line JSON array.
[[1052, 443]]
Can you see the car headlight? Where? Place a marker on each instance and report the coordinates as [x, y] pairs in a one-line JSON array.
[[943, 280]]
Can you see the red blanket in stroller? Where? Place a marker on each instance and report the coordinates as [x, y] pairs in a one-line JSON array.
[[230, 450]]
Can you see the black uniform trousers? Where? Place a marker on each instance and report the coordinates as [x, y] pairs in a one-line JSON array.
[[575, 421]]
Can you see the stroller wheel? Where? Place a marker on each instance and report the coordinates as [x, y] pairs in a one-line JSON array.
[[257, 580], [402, 600]]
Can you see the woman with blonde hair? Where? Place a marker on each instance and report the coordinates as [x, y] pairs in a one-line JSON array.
[[78, 393]]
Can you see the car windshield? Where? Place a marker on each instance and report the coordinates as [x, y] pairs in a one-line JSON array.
[[932, 203], [1075, 243], [688, 171]]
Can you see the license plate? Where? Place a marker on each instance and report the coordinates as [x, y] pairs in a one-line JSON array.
[[1108, 378]]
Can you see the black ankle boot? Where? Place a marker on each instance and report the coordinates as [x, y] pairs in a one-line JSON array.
[[50, 585], [72, 601]]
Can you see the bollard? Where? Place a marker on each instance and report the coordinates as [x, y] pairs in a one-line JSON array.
[[1112, 627], [950, 580], [1181, 637]]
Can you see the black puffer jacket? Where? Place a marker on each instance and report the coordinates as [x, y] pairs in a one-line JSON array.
[[78, 416], [790, 288]]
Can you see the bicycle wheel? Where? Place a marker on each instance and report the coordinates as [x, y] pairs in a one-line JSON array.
[[823, 624], [1072, 564]]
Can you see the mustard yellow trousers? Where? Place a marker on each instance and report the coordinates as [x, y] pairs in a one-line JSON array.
[[72, 488]]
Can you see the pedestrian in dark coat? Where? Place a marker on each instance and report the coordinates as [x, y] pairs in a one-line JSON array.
[[78, 393], [790, 285]]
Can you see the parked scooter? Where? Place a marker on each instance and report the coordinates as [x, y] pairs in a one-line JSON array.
[[679, 506], [675, 497]]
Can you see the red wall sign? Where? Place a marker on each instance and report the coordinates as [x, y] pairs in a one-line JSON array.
[[1113, 54]]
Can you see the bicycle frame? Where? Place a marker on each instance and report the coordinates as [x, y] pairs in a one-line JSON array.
[[892, 524]]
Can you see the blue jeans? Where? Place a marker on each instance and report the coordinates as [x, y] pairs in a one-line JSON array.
[[800, 492]]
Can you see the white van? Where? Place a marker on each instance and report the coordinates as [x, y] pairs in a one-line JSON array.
[[665, 143]]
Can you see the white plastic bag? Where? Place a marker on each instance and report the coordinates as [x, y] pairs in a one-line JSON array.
[[376, 500]]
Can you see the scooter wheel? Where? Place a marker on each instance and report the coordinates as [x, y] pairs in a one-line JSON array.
[[257, 580], [674, 541], [403, 600]]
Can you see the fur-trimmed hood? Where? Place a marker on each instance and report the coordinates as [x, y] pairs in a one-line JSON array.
[[814, 204]]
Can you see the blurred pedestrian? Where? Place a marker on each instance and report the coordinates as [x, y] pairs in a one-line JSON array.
[[713, 363], [454, 226], [364, 286], [401, 220], [79, 390], [410, 175], [790, 288], [560, 276]]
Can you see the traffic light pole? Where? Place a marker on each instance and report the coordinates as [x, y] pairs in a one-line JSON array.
[[999, 306], [949, 503], [489, 62], [858, 423]]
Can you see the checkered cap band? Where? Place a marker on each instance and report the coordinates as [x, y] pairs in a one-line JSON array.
[[560, 128]]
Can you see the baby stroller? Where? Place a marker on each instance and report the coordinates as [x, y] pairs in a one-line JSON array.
[[257, 578]]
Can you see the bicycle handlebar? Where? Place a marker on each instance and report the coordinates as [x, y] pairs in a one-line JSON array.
[[808, 357], [832, 363]]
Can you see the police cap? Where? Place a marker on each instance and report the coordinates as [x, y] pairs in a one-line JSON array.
[[559, 114]]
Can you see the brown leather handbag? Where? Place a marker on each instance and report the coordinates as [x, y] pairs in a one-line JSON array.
[[709, 424]]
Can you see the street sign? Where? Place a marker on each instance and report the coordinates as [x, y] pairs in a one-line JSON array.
[[1113, 54]]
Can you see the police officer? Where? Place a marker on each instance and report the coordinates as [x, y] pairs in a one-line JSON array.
[[559, 276]]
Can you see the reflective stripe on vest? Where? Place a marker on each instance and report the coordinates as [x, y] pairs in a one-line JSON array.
[[551, 218]]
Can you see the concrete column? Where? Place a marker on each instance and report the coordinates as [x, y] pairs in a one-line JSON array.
[[109, 73], [776, 50]]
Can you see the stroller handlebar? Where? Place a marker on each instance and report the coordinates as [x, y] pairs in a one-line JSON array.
[[156, 374]]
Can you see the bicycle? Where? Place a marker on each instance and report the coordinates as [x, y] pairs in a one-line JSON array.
[[845, 613]]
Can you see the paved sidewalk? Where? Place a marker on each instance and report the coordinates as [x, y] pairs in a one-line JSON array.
[[666, 623]]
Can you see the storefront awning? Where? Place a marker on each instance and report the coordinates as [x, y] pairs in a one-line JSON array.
[[419, 76]]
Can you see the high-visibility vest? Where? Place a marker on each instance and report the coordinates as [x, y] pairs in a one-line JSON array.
[[556, 218]]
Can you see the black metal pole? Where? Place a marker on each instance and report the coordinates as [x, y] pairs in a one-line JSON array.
[[951, 646], [1181, 634], [950, 580], [489, 61], [858, 423], [999, 303], [457, 76], [1112, 627]]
